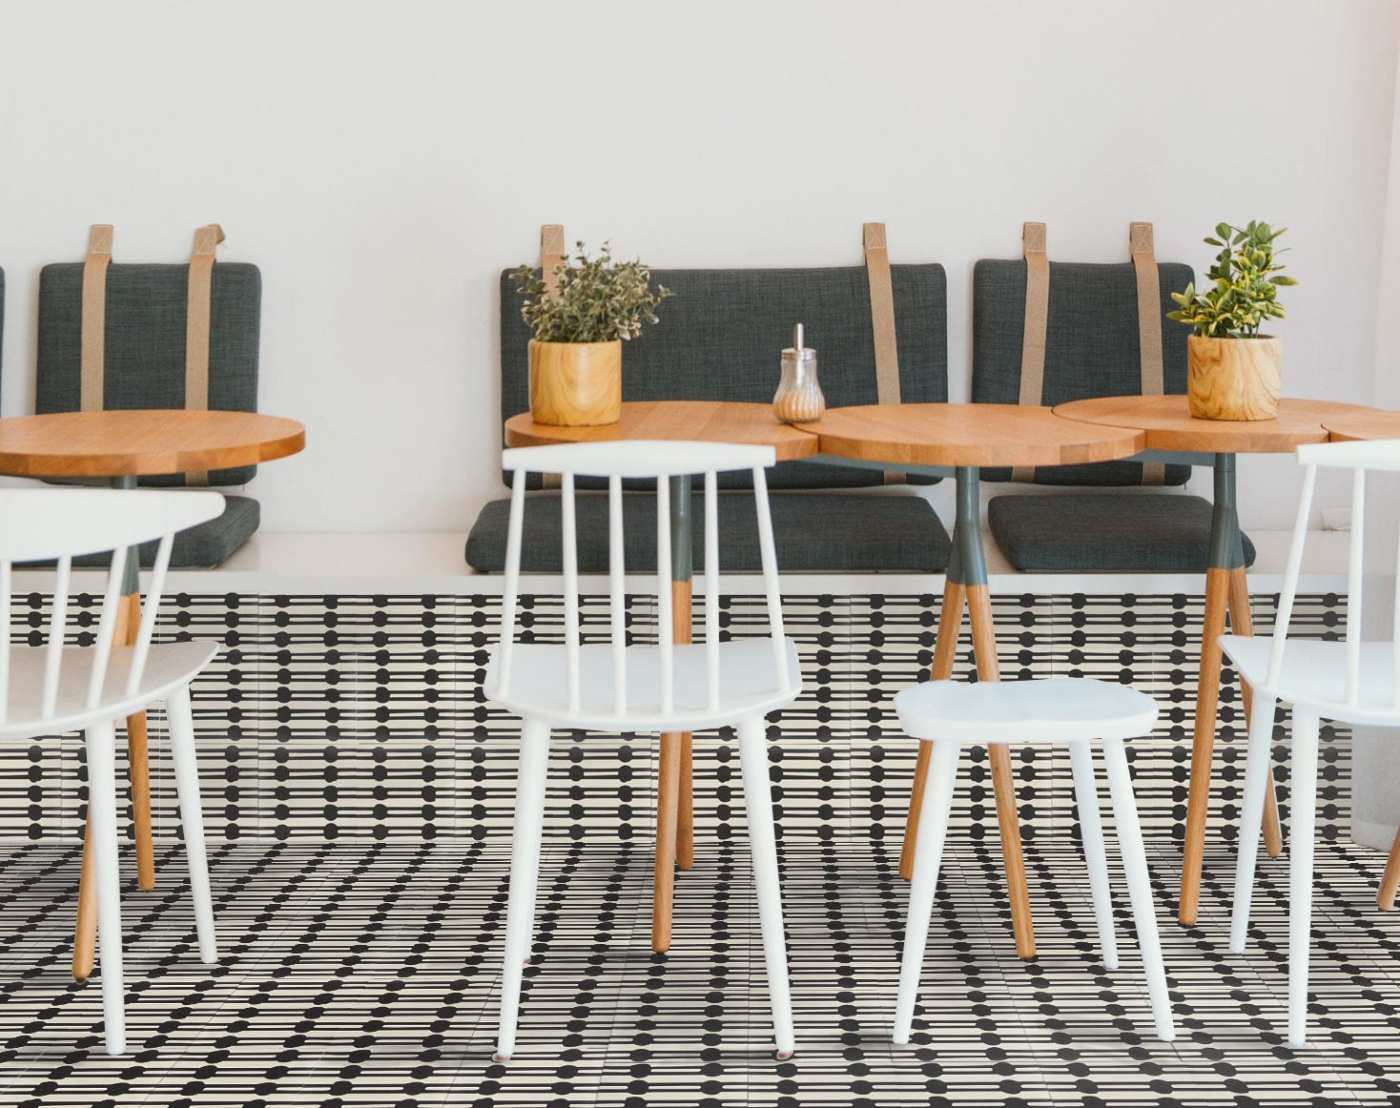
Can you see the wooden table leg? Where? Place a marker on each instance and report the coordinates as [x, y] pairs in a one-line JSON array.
[[138, 768], [685, 816], [945, 651], [666, 812], [1003, 782], [1242, 623]]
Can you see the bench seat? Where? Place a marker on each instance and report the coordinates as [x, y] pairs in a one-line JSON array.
[[813, 532]]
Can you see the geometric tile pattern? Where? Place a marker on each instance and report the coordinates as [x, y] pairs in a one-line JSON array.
[[365, 972], [362, 717]]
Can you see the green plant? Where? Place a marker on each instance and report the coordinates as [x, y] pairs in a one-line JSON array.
[[598, 299], [1245, 280]]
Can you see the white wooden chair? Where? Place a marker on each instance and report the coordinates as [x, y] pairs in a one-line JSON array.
[[1353, 681], [664, 688], [53, 688], [1072, 712]]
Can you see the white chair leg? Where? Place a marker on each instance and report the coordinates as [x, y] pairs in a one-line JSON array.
[[192, 820], [1139, 885], [928, 856], [1300, 875], [1256, 781], [1086, 793], [753, 759], [102, 817], [524, 874]]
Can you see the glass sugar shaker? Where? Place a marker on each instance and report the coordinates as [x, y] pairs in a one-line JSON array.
[[799, 397]]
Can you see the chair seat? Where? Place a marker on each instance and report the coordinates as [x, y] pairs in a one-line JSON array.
[[748, 685], [1059, 709], [1315, 674], [168, 666], [206, 546], [1105, 532], [815, 533]]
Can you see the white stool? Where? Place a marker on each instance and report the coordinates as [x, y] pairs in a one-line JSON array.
[[1070, 712]]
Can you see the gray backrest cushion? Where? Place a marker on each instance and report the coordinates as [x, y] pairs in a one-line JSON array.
[[145, 342], [721, 335], [1091, 346]]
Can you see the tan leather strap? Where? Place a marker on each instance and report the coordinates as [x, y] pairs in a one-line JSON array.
[[197, 311], [1037, 318], [877, 270], [1149, 305], [94, 318], [551, 255]]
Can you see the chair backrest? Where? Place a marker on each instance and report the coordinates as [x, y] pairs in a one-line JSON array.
[[720, 336], [1092, 347], [60, 524], [1358, 457], [145, 353], [614, 463]]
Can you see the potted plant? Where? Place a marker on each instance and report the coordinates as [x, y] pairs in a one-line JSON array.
[[1233, 370], [579, 328]]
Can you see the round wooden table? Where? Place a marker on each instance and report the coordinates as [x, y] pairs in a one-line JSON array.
[[1171, 434], [691, 421], [963, 438], [1356, 426], [121, 446]]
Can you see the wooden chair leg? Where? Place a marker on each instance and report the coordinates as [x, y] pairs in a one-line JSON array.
[[85, 930], [685, 815], [1203, 743], [984, 645], [1391, 881], [1242, 623], [945, 652], [667, 811]]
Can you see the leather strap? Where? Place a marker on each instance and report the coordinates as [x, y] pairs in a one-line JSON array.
[[551, 255], [197, 311], [1037, 317], [94, 318], [1149, 306], [877, 270]]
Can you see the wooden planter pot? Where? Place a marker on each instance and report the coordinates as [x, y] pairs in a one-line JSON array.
[[575, 384], [1233, 379]]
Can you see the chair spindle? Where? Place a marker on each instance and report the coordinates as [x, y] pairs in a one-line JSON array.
[[570, 540], [58, 621], [770, 573], [617, 574], [1355, 585], [107, 626], [4, 640], [712, 586], [517, 514], [148, 614], [1290, 576], [665, 632]]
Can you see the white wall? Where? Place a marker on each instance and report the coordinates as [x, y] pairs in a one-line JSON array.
[[383, 161]]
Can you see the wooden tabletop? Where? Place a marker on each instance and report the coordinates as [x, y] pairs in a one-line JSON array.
[[1168, 425], [968, 435], [142, 443], [1368, 423], [686, 420]]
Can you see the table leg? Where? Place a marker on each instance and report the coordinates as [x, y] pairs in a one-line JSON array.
[[967, 569], [674, 804], [1225, 589], [138, 769], [945, 651]]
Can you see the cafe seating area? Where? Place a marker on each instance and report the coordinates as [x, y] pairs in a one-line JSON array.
[[929, 639]]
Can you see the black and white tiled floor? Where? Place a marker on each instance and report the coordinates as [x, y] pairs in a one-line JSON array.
[[366, 973]]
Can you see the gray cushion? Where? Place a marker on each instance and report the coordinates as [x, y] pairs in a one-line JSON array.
[[1091, 347], [204, 547], [826, 532], [1105, 532], [145, 342], [720, 338]]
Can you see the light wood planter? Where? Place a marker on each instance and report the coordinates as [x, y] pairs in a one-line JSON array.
[[575, 384], [1233, 379]]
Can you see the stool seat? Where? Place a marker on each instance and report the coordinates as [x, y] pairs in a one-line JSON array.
[[1059, 709]]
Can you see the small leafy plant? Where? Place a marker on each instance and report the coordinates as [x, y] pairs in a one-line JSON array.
[[1245, 280], [598, 299]]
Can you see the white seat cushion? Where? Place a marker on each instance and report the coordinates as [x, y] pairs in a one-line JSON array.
[[539, 685], [1315, 674], [168, 665], [1060, 709]]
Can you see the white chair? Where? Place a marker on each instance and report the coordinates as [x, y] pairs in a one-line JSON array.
[[1353, 681], [664, 688], [53, 689], [1072, 712]]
